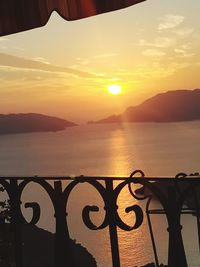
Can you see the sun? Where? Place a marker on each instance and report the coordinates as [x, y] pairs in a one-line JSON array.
[[114, 89]]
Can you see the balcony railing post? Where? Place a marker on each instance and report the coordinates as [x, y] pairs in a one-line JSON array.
[[176, 253], [16, 221], [111, 209], [63, 247]]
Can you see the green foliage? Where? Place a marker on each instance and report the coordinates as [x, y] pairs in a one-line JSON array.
[[6, 238]]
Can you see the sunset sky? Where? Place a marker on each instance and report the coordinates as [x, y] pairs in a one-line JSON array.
[[64, 68]]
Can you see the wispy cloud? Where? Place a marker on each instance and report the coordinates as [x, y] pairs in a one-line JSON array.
[[183, 53], [41, 59], [170, 21], [3, 43], [30, 64], [82, 61], [153, 53], [10, 74], [106, 55], [3, 39], [85, 61], [185, 32], [159, 42]]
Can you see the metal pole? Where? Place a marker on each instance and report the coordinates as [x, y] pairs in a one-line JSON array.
[[111, 211]]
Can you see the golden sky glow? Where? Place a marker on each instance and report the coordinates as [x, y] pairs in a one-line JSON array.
[[63, 68]]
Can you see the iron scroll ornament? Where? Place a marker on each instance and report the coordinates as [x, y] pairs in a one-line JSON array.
[[172, 199], [59, 193], [110, 196], [112, 219], [59, 197]]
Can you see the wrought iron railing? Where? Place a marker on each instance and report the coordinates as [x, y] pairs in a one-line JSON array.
[[177, 196]]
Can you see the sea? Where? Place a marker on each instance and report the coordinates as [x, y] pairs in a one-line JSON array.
[[109, 150]]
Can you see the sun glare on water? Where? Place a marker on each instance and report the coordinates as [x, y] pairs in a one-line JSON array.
[[114, 89]]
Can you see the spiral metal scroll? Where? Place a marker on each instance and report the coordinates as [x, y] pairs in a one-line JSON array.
[[172, 195], [172, 204], [109, 198], [112, 220], [59, 197], [15, 190]]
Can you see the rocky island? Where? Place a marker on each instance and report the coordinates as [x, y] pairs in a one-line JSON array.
[[171, 106], [31, 122]]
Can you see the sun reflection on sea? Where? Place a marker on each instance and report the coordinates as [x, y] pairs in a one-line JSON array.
[[119, 154], [131, 243]]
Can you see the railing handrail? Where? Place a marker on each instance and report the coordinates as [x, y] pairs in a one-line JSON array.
[[101, 178]]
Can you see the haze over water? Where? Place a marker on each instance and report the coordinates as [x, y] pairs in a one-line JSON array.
[[159, 149]]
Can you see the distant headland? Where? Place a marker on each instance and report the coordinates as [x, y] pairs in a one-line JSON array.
[[31, 122], [171, 106]]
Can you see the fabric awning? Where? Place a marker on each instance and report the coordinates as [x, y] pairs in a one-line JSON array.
[[21, 15]]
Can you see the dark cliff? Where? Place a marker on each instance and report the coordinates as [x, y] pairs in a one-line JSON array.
[[31, 122], [172, 106]]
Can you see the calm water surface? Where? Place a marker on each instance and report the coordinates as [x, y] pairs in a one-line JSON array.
[[159, 149]]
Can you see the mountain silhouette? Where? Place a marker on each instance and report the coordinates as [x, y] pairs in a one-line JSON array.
[[38, 248], [31, 122], [171, 106]]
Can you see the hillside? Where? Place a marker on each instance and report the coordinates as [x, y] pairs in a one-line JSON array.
[[31, 122], [172, 106]]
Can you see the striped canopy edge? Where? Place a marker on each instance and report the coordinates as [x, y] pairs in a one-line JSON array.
[[22, 15]]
